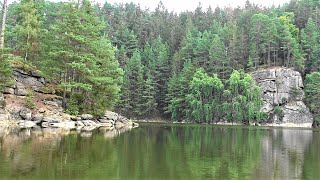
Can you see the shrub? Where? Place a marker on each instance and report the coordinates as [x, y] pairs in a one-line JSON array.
[[29, 101]]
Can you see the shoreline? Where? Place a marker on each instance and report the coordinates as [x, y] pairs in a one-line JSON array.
[[276, 125]]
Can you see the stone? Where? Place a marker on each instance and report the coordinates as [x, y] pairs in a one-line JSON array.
[[43, 89], [29, 80], [42, 80], [21, 90], [36, 74], [86, 117], [42, 110], [64, 125], [26, 124], [25, 113], [283, 87], [53, 103], [109, 115], [106, 121], [37, 119], [90, 123], [49, 119], [267, 107], [8, 90], [4, 115], [19, 72]]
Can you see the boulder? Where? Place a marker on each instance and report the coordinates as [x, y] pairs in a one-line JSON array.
[[64, 125], [37, 119], [26, 124], [8, 90], [25, 114], [86, 117], [21, 90], [4, 115], [109, 115]]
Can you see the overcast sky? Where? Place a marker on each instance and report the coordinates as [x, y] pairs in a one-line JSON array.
[[182, 5]]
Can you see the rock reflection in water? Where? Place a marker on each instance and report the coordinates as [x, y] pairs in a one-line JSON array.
[[282, 155], [24, 148]]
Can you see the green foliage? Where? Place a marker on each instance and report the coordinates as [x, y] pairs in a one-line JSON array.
[[27, 30], [278, 112], [81, 47], [93, 70], [29, 101], [312, 89], [5, 70], [75, 104], [210, 100]]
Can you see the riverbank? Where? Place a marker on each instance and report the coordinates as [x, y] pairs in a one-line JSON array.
[[32, 101], [285, 125]]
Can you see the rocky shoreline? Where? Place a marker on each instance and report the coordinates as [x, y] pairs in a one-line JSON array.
[[33, 102]]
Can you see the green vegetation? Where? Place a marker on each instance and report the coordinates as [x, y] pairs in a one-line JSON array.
[[313, 95], [29, 100], [146, 63]]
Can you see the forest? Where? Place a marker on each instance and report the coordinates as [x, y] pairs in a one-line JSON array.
[[188, 66]]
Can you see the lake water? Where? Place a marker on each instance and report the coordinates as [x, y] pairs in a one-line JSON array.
[[161, 151]]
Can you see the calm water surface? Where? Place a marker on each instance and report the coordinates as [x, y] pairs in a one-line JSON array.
[[155, 151]]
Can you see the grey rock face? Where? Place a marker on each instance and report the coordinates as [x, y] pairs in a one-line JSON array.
[[283, 87], [26, 78]]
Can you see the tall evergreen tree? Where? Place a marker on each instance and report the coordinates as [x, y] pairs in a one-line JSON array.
[[83, 59], [27, 30]]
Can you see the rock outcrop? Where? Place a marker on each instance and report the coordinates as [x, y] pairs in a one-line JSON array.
[[282, 95], [32, 102]]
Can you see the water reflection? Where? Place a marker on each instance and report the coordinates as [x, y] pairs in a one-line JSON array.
[[155, 151], [283, 153]]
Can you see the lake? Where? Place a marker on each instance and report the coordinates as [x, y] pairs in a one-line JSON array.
[[161, 151]]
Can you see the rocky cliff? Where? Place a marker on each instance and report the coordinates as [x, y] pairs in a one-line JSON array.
[[282, 95], [32, 101]]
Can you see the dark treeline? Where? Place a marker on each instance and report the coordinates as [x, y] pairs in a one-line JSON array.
[[184, 66]]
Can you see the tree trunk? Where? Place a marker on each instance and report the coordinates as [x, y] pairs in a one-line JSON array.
[[64, 100], [27, 49], [3, 25], [269, 54]]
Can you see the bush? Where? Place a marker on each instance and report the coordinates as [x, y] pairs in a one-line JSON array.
[[74, 104], [279, 112], [29, 101]]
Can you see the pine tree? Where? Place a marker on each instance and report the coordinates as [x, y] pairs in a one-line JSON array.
[[83, 59], [27, 30]]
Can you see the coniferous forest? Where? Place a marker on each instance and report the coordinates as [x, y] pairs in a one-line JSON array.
[[192, 65]]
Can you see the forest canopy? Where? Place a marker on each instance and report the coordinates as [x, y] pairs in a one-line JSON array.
[[191, 65]]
